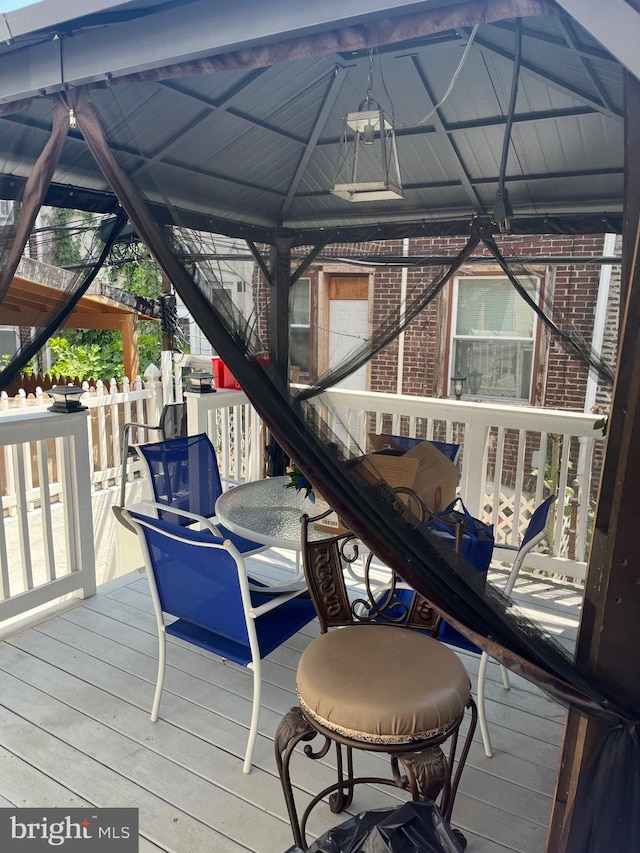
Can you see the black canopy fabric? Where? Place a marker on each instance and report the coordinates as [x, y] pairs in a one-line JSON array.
[[146, 191]]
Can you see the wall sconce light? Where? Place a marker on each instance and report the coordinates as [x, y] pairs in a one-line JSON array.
[[370, 170], [457, 385], [66, 399], [200, 383]]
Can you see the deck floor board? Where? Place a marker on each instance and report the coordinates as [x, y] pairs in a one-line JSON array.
[[75, 696]]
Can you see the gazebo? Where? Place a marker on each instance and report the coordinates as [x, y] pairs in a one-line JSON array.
[[513, 116]]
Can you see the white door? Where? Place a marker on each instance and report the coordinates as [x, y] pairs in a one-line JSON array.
[[348, 327]]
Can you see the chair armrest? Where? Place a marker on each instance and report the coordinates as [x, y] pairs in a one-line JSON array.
[[255, 612], [141, 426], [276, 589], [206, 522]]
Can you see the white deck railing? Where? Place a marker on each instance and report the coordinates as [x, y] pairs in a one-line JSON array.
[[51, 463], [48, 554], [527, 451], [47, 458], [110, 407], [234, 427]]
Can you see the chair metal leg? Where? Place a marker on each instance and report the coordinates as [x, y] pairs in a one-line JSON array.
[[162, 657], [482, 717], [450, 794], [426, 774], [292, 729], [504, 672], [341, 798], [123, 474], [255, 715]]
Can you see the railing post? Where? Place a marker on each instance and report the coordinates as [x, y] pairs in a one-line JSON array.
[[166, 371], [154, 403], [197, 414], [77, 505], [473, 471], [33, 572]]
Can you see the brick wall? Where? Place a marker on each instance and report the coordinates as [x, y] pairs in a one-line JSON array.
[[571, 288]]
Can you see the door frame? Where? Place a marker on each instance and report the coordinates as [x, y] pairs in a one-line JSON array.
[[325, 275]]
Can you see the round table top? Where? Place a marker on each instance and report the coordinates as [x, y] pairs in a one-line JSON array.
[[267, 512]]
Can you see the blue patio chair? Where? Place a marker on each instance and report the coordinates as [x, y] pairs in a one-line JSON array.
[[536, 532], [450, 450], [184, 475], [200, 581], [173, 423], [446, 633]]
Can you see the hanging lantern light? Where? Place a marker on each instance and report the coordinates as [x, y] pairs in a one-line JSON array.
[[369, 170]]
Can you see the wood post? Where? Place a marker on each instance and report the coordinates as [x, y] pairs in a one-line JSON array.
[[610, 626]]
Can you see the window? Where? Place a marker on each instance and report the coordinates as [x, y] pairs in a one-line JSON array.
[[300, 325], [493, 337]]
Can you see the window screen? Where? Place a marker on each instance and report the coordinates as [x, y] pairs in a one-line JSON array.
[[300, 325], [493, 337]]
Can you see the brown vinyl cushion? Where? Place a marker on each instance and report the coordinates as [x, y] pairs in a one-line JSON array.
[[381, 684]]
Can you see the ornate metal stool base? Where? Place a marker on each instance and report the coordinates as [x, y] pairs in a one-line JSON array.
[[421, 769]]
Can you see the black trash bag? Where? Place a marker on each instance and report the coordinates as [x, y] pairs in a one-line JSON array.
[[415, 827]]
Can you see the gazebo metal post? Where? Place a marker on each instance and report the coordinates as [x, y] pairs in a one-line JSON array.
[[278, 330]]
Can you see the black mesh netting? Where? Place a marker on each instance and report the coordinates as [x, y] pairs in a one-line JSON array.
[[110, 129]]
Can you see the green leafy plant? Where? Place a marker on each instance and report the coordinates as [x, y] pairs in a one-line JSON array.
[[299, 482], [27, 370], [602, 424], [88, 361]]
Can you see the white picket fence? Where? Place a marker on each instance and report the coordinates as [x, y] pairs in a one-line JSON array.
[[110, 407], [51, 464]]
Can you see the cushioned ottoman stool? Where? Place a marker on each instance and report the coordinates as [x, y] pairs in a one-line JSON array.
[[379, 688]]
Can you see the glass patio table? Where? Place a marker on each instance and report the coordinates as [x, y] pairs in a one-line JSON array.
[[267, 512]]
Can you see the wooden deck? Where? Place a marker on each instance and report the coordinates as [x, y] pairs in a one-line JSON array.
[[75, 694]]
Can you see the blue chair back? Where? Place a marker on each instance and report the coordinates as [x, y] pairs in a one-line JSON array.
[[183, 473], [451, 451], [196, 583], [538, 521]]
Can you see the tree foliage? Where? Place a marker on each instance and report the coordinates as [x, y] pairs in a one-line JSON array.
[[93, 353]]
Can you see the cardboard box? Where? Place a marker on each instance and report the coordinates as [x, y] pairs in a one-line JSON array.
[[423, 468], [330, 524]]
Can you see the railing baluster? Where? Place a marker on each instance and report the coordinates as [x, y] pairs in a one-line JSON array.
[[588, 445], [5, 589], [45, 511], [23, 518]]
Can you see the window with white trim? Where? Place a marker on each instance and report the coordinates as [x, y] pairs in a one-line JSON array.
[[300, 325], [493, 337]]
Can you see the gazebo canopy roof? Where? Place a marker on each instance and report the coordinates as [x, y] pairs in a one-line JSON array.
[[238, 115]]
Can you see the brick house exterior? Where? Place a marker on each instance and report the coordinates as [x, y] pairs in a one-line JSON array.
[[559, 377]]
